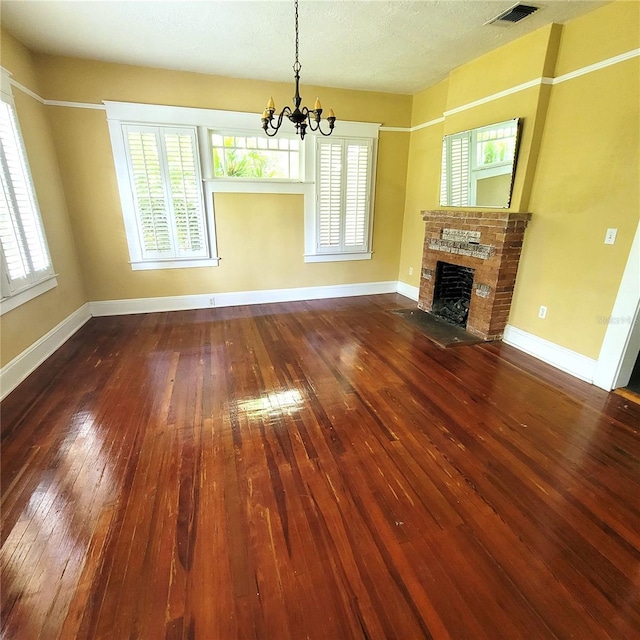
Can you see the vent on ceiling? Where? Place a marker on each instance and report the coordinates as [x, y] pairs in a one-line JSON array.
[[514, 14]]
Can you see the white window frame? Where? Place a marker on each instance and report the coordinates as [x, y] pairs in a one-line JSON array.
[[35, 284], [342, 248], [248, 133], [146, 255], [120, 117], [213, 119], [350, 131]]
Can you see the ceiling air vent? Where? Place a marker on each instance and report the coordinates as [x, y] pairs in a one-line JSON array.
[[514, 14]]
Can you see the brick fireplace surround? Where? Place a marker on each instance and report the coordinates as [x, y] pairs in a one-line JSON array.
[[489, 243]]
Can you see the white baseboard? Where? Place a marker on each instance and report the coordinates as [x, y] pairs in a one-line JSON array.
[[14, 372], [150, 305], [408, 290], [560, 357], [232, 299]]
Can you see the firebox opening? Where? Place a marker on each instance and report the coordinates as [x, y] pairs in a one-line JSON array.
[[452, 293]]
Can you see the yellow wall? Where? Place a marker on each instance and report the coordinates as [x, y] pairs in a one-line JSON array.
[[577, 168], [260, 238], [599, 35], [586, 181], [423, 178], [508, 66], [27, 323]]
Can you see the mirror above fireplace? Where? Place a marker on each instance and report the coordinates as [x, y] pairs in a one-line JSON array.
[[478, 166]]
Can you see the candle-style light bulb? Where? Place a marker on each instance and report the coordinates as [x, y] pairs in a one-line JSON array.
[[331, 114], [271, 104], [317, 106], [265, 115]]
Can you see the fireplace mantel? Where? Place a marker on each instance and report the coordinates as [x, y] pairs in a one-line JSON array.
[[488, 242]]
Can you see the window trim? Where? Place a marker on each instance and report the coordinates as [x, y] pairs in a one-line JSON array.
[[48, 279], [18, 299], [207, 119]]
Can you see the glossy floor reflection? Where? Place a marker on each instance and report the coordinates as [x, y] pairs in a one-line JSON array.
[[313, 470]]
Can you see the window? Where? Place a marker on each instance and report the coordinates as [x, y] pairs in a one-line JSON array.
[[168, 226], [254, 156], [166, 186], [343, 195], [26, 264], [163, 204]]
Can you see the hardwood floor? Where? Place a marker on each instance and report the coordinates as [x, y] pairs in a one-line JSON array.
[[313, 470]]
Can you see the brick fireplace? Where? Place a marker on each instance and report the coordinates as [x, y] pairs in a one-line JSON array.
[[488, 243]]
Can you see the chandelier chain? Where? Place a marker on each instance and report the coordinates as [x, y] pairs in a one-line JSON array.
[[297, 65]]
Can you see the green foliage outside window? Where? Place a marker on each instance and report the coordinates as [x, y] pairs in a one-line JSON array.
[[240, 163], [247, 156]]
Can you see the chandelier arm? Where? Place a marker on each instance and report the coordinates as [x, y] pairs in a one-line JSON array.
[[310, 115], [328, 133], [314, 120], [267, 123]]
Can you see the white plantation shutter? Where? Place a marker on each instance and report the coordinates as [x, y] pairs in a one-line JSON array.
[[357, 193], [343, 199], [459, 168], [443, 175], [166, 185], [329, 193], [149, 192], [25, 255], [186, 199]]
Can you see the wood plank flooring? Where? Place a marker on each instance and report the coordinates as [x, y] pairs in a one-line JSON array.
[[313, 470]]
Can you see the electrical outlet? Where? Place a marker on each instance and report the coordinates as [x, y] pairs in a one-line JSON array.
[[543, 312], [212, 302], [410, 271], [610, 236]]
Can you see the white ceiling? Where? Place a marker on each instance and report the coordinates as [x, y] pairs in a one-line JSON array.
[[393, 46]]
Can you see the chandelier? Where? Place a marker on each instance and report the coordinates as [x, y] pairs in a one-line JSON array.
[[301, 118]]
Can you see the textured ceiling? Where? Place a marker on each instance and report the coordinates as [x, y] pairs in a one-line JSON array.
[[397, 46]]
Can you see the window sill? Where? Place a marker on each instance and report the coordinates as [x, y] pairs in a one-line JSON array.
[[152, 265], [338, 257], [238, 185], [241, 180], [8, 304]]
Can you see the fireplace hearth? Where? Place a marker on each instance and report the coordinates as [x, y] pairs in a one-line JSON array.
[[485, 246]]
